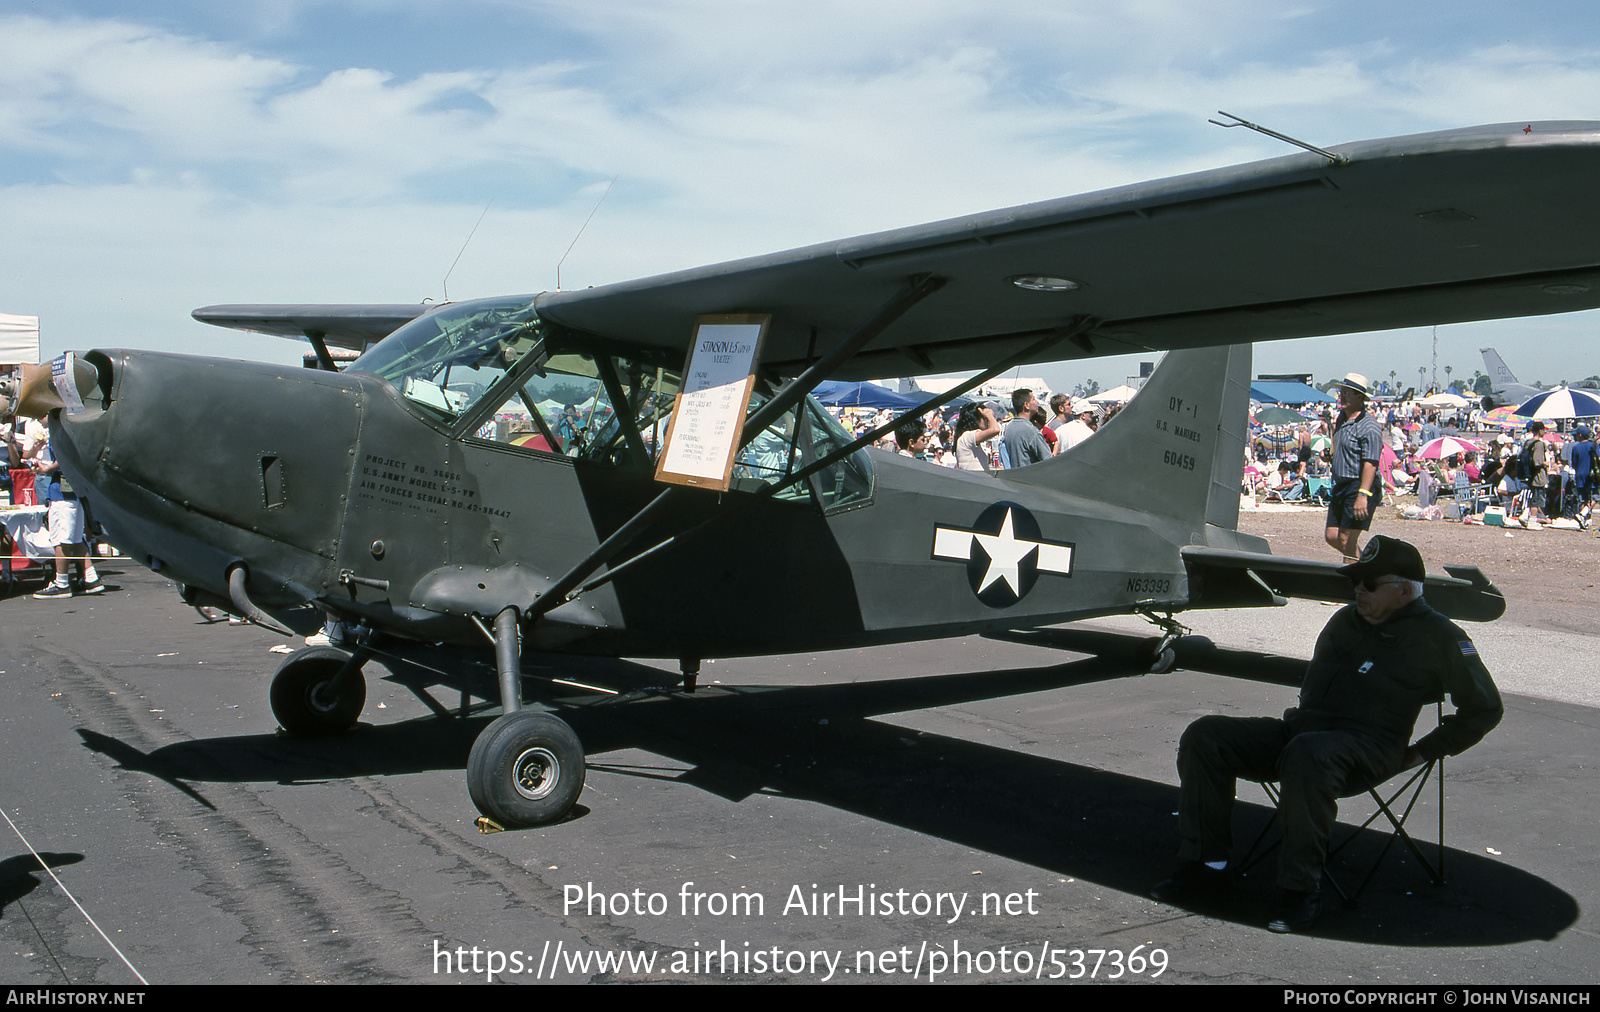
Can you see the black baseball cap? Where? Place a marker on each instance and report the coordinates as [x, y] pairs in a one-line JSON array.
[[1387, 557]]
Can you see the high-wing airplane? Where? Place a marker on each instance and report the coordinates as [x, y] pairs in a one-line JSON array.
[[1504, 387], [424, 496]]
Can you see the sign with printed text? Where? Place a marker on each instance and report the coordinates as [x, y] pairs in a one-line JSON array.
[[709, 412]]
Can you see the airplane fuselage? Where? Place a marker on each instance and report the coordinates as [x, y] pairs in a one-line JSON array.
[[330, 489]]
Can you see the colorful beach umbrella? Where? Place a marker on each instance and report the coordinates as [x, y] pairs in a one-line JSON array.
[[1275, 415], [1447, 446], [1562, 402]]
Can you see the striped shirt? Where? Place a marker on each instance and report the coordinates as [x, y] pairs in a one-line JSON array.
[[1355, 440]]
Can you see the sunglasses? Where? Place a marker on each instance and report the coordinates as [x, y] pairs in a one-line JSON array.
[[1371, 583]]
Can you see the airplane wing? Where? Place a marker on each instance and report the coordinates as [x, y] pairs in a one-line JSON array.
[[1480, 223], [343, 326]]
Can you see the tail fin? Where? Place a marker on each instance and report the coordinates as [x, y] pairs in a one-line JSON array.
[[1176, 450], [1499, 373]]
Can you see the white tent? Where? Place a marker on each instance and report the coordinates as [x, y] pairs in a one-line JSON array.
[[1116, 395], [1444, 400], [19, 340]]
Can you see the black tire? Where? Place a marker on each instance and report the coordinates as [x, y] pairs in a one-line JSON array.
[[299, 693], [1164, 661], [526, 769]]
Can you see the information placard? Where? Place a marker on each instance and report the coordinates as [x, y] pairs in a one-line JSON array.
[[709, 412]]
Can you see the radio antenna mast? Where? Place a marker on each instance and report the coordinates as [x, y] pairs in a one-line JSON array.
[[445, 284], [585, 225]]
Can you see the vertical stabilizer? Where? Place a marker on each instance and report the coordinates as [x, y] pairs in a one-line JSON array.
[[1177, 449], [1499, 373]]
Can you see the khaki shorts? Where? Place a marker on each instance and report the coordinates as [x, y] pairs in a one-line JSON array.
[[65, 519]]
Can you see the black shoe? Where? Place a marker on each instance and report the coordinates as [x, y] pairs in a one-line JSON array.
[[1296, 911], [1193, 882]]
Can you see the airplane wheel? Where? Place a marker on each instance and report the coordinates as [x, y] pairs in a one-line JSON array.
[[300, 698], [526, 769], [1164, 661]]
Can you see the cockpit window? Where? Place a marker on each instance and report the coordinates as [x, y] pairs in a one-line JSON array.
[[595, 407], [485, 370], [444, 362]]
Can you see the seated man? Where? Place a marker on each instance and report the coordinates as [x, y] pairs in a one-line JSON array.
[[1376, 663]]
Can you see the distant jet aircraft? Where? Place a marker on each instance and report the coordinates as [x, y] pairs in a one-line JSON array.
[[1505, 389]]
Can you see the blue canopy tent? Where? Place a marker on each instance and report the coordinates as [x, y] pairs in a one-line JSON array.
[[1288, 393], [863, 395]]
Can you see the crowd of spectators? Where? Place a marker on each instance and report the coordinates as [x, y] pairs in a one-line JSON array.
[[986, 435], [1529, 471]]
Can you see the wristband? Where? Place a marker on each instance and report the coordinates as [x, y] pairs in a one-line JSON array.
[[1363, 492]]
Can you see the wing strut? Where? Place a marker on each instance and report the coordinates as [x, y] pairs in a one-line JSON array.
[[1074, 331], [321, 347], [914, 291]]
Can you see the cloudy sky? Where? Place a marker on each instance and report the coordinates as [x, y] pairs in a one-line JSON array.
[[167, 154]]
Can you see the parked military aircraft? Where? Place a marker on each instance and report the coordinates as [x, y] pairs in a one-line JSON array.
[[1504, 387], [424, 495]]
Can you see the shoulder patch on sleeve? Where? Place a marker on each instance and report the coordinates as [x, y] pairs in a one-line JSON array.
[[1467, 649]]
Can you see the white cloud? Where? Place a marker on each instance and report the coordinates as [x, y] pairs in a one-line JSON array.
[[152, 169]]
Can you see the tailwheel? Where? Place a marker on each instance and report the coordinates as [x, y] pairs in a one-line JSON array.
[[526, 769], [312, 693], [1164, 653], [1163, 659]]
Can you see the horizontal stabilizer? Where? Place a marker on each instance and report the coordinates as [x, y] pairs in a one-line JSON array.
[[1220, 578]]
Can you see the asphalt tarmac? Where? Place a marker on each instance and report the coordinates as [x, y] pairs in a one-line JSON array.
[[967, 810]]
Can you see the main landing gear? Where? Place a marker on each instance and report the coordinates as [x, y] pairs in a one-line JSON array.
[[319, 690], [525, 769]]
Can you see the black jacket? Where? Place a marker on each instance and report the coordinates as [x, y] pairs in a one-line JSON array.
[[1374, 680]]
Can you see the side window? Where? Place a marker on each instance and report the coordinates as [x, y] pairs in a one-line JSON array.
[[795, 441], [849, 481], [772, 456], [617, 410], [569, 405]]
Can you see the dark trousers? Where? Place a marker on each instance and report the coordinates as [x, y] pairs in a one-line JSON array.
[[1315, 769]]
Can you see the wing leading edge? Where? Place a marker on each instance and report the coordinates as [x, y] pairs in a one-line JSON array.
[[1481, 223]]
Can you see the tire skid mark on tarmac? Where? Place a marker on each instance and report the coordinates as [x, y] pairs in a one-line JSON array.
[[289, 892], [519, 886], [307, 915], [43, 919]]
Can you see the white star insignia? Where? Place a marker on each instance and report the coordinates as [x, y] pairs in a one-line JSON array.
[[1009, 558], [1006, 553]]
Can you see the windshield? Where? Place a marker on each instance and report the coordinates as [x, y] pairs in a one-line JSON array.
[[445, 361]]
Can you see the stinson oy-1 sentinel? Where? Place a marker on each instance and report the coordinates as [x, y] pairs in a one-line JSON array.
[[482, 482]]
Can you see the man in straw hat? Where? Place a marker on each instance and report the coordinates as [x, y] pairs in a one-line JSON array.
[[1357, 448]]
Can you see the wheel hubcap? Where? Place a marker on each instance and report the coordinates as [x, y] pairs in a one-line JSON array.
[[536, 772], [321, 699]]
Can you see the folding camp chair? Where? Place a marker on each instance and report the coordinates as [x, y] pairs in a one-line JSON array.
[[1388, 797], [1293, 493], [1468, 497]]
